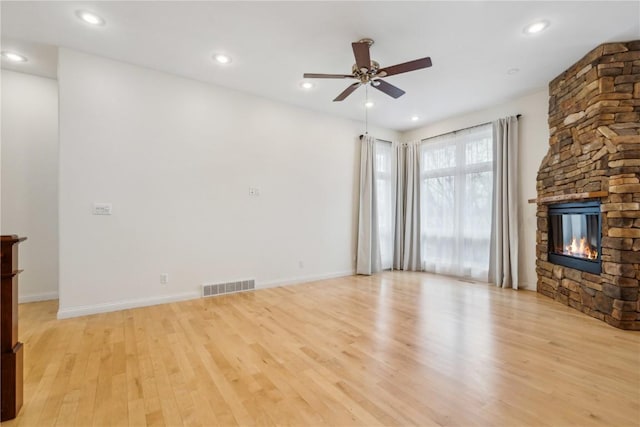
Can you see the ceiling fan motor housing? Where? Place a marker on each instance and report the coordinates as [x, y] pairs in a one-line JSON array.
[[366, 75]]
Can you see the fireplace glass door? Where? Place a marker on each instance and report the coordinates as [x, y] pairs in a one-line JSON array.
[[574, 235]]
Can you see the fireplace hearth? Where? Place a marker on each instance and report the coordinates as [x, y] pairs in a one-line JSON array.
[[574, 235]]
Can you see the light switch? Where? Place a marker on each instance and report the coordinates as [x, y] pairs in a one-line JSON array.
[[102, 208]]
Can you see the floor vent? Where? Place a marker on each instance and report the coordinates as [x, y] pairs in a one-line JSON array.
[[210, 290]]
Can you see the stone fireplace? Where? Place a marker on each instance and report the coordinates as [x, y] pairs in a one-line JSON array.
[[593, 157]]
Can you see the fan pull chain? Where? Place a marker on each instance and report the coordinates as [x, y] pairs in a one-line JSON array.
[[366, 109]]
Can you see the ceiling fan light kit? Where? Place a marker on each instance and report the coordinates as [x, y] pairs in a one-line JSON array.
[[368, 71]]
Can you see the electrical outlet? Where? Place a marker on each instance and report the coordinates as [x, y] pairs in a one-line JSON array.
[[254, 191], [164, 278], [301, 264]]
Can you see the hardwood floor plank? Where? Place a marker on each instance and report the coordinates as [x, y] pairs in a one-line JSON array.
[[391, 349]]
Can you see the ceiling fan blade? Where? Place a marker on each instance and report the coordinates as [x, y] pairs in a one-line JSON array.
[[347, 92], [389, 89], [327, 76], [405, 67], [361, 52]]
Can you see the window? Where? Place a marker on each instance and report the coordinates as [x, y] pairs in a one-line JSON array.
[[456, 202], [384, 195]]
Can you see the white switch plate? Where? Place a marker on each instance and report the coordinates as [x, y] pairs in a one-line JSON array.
[[164, 278], [102, 208], [254, 191]]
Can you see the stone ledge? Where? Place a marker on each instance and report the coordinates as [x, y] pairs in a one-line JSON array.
[[566, 197]]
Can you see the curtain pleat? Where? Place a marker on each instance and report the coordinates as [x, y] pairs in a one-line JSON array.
[[406, 238], [411, 253], [368, 259], [399, 197], [503, 265]]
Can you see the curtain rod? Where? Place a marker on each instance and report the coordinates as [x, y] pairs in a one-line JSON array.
[[481, 124], [377, 139], [469, 127]]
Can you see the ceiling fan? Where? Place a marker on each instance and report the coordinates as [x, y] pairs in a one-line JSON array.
[[367, 71]]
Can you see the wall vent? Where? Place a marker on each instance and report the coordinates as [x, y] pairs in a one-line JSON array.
[[211, 290]]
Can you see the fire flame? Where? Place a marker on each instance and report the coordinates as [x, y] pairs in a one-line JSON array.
[[582, 249]]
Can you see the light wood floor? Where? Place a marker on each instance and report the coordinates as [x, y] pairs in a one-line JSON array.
[[393, 349]]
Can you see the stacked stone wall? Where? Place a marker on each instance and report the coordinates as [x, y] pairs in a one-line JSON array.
[[594, 145]]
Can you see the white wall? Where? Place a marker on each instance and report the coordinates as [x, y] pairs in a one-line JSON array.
[[176, 159], [534, 143], [30, 179]]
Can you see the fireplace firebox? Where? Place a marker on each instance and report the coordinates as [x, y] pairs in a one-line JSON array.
[[574, 235]]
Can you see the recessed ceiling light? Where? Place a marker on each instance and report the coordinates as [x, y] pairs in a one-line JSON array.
[[369, 104], [307, 85], [90, 17], [511, 71], [536, 27], [221, 58], [415, 118], [14, 57]]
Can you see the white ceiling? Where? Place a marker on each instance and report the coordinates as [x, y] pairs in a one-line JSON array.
[[472, 46]]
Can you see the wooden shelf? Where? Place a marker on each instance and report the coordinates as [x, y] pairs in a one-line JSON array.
[[575, 196]]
